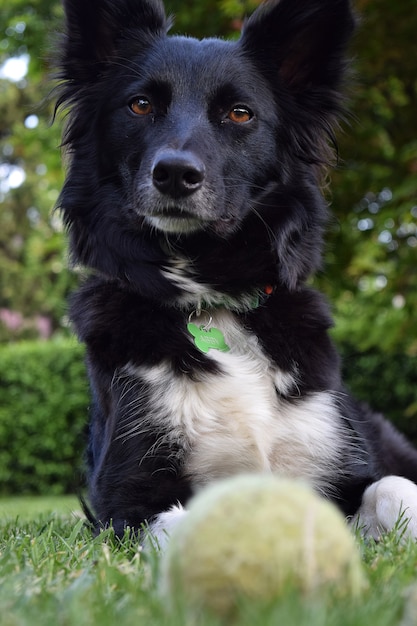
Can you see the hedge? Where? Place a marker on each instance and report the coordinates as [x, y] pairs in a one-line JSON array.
[[385, 381], [43, 414], [44, 407]]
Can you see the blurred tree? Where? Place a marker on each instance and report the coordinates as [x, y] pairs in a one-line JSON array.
[[370, 274], [371, 269], [209, 18], [33, 278]]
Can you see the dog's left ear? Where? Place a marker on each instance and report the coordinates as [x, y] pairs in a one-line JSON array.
[[305, 40]]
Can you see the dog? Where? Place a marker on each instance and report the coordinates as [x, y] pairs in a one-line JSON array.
[[193, 198]]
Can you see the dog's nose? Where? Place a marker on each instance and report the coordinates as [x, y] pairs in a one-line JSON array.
[[177, 174]]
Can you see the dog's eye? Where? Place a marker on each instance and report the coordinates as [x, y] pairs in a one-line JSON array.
[[240, 114], [141, 106]]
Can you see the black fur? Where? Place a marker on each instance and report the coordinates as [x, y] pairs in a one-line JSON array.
[[253, 188]]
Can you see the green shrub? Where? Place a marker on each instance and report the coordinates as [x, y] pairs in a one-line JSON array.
[[386, 382], [43, 414]]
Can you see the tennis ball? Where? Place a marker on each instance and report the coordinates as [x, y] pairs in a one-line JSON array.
[[258, 536], [409, 617]]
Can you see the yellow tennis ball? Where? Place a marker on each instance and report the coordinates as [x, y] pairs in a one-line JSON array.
[[256, 537]]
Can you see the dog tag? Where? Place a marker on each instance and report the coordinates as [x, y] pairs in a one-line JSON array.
[[207, 338]]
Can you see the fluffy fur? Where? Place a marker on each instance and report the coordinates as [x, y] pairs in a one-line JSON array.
[[193, 194]]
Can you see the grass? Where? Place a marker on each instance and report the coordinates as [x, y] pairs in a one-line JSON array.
[[28, 507], [53, 573]]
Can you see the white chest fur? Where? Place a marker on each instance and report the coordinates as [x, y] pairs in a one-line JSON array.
[[238, 420]]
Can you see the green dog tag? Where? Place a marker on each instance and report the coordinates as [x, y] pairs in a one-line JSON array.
[[206, 339]]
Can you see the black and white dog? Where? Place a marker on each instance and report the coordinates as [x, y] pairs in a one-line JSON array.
[[193, 197]]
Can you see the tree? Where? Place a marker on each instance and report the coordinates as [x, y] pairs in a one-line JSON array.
[[371, 261], [33, 278]]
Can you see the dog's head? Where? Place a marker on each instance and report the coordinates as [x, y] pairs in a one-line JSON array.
[[190, 142]]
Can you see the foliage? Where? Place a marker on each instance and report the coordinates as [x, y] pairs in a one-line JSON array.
[[43, 413], [370, 272], [385, 382], [210, 17], [33, 280], [53, 572]]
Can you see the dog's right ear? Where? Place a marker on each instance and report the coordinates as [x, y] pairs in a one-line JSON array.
[[95, 28]]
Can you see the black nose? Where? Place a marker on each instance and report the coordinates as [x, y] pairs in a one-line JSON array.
[[177, 173]]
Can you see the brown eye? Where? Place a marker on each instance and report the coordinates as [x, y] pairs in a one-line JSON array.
[[141, 106], [240, 114]]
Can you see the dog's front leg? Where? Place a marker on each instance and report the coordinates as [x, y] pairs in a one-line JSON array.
[[135, 476], [386, 504], [161, 527]]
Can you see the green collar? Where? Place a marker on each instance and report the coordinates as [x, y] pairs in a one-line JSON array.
[[207, 337]]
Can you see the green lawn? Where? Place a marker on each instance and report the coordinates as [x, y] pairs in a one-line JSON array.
[[52, 573], [28, 507]]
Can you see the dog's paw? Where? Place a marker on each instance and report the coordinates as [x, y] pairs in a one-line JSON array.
[[386, 503], [161, 528]]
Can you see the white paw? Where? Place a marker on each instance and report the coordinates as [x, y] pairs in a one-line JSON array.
[[162, 526], [382, 504]]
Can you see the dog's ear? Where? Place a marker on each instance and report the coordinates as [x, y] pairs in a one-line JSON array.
[[94, 29], [304, 40]]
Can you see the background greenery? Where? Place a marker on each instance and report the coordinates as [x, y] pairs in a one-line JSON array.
[[370, 272], [43, 410]]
